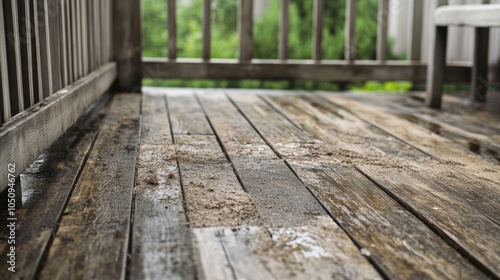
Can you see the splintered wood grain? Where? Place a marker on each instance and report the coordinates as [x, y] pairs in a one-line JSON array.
[[317, 251], [212, 193], [458, 221], [280, 196], [186, 115], [47, 185], [350, 142], [91, 241], [393, 238], [161, 240], [420, 138]]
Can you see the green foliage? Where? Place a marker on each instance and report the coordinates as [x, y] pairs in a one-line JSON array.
[[224, 38]]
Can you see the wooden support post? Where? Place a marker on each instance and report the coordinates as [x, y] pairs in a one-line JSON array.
[[172, 30], [206, 28], [350, 25], [415, 32], [436, 62], [245, 30], [127, 50], [383, 17], [284, 22], [318, 30], [436, 68], [479, 79]]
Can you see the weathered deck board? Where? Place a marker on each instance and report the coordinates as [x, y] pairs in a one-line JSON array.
[[92, 237], [161, 240], [282, 200], [418, 137], [334, 155], [47, 184], [186, 115], [212, 193]]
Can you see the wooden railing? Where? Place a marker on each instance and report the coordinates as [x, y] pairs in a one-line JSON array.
[[317, 68], [46, 45]]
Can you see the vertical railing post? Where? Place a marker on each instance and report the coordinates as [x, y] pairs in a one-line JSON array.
[[172, 30], [436, 63], [206, 28], [127, 50], [318, 29], [415, 34], [4, 74], [245, 30], [350, 31], [284, 22], [383, 16]]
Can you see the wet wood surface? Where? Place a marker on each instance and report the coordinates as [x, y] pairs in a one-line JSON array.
[[199, 184]]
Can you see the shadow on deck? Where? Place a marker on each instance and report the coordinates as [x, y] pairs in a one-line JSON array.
[[231, 185]]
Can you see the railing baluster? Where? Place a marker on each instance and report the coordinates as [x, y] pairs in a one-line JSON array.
[[64, 43], [172, 31], [54, 16], [98, 32], [284, 22], [350, 31], [90, 34], [206, 28], [38, 51], [415, 34], [383, 15], [4, 74], [318, 29], [48, 53], [245, 30], [85, 51], [13, 43], [27, 45]]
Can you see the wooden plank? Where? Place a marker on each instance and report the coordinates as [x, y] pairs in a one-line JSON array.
[[421, 139], [213, 196], [479, 77], [351, 142], [4, 74], [350, 31], [172, 30], [186, 115], [317, 52], [382, 29], [335, 71], [127, 42], [206, 28], [245, 30], [25, 138], [476, 236], [281, 199], [48, 183], [415, 30], [390, 237], [92, 237], [284, 23], [318, 252], [162, 246]]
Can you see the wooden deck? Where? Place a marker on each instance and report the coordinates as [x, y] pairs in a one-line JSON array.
[[269, 185]]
